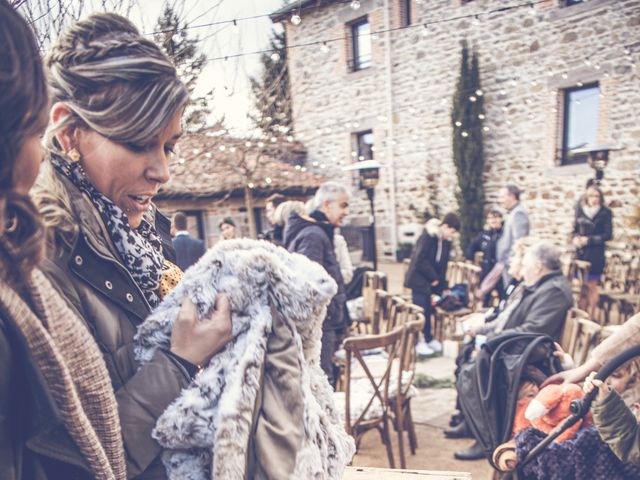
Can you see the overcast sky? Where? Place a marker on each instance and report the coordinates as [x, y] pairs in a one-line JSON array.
[[228, 78]]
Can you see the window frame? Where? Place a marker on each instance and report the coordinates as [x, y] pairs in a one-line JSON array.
[[357, 137], [356, 64], [406, 9], [566, 92]]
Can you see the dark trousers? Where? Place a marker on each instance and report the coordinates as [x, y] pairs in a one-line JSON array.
[[424, 300], [326, 354]]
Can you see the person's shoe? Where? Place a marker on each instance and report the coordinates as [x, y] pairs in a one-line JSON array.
[[474, 452], [456, 420], [435, 345], [459, 431], [423, 350]]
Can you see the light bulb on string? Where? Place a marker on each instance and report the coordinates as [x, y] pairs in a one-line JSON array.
[[275, 56], [486, 129], [464, 134], [355, 5], [472, 99], [247, 144], [324, 48], [458, 124], [250, 185], [295, 19], [481, 116], [425, 31], [222, 148], [260, 144], [479, 92], [267, 180]]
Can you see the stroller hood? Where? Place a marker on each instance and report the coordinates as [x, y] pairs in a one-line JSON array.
[[488, 384]]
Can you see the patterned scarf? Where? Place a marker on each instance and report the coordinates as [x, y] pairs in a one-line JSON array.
[[140, 249]]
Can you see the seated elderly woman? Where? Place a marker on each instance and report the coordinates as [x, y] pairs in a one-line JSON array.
[[115, 121]]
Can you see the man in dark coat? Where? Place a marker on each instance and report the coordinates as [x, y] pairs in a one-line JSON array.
[[313, 237], [427, 272], [542, 308], [275, 235], [188, 250]]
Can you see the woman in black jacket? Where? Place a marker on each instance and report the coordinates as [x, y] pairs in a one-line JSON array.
[[592, 229]]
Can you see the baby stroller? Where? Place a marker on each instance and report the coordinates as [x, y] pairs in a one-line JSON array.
[[488, 389]]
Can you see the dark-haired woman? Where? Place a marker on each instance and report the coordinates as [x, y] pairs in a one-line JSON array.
[[58, 412], [592, 229]]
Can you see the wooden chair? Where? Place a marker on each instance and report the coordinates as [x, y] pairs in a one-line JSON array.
[[373, 410], [573, 315], [371, 282], [585, 336], [577, 275], [402, 401]]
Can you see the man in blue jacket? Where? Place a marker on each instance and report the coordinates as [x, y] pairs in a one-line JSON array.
[[188, 250], [312, 237]]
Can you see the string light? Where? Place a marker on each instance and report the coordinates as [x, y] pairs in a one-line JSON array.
[[295, 19], [275, 56], [355, 5], [324, 48]]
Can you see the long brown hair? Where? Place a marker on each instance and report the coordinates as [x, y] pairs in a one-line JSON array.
[[24, 104]]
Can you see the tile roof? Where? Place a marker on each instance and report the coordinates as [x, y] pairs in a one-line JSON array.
[[207, 165]]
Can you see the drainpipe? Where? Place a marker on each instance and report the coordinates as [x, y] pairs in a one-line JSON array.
[[390, 158]]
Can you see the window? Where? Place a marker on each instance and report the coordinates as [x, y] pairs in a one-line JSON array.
[[360, 44], [405, 12], [364, 145], [568, 3], [580, 125]]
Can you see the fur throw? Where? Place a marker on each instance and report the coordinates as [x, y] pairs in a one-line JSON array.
[[583, 457], [207, 429]]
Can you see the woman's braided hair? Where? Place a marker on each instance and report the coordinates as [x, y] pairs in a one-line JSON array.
[[115, 81]]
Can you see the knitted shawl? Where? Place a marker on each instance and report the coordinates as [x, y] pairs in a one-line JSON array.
[[74, 371], [584, 457], [208, 428]]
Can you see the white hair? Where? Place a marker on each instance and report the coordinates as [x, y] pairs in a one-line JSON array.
[[546, 253], [328, 192]]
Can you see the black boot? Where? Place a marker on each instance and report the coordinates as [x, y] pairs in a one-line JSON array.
[[459, 431], [456, 419], [474, 452]]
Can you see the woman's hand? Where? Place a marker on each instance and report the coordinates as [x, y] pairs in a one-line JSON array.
[[198, 340], [565, 359], [603, 388], [575, 375]]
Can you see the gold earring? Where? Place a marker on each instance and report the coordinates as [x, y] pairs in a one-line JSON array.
[[74, 155]]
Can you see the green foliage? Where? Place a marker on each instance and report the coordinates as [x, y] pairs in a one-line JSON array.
[[183, 51], [422, 380], [271, 91], [468, 155]]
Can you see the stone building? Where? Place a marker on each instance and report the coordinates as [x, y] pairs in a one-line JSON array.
[[378, 81], [211, 176]]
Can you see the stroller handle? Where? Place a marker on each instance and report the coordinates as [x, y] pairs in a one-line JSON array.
[[581, 407]]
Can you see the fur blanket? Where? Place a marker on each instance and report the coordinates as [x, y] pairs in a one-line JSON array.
[[583, 457], [207, 429]]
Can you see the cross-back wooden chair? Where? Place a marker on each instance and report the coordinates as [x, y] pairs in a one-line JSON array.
[[401, 402], [372, 282], [445, 322], [584, 337], [573, 315], [372, 410], [577, 276]]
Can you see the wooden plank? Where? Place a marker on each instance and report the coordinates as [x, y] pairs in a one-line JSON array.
[[361, 473]]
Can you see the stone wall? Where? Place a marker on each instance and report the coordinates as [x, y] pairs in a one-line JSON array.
[[527, 56]]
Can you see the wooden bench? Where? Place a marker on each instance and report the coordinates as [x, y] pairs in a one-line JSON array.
[[363, 473]]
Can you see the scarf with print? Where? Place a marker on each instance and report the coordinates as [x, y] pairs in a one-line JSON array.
[[140, 249]]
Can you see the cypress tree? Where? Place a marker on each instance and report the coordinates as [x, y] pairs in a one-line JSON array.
[[466, 118]]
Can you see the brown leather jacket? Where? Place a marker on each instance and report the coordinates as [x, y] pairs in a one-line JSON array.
[[83, 265]]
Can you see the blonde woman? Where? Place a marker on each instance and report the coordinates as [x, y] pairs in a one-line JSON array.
[[115, 121]]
